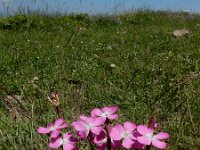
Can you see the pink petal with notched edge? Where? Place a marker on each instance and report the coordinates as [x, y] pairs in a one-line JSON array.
[[159, 144], [97, 121], [116, 131], [83, 134], [143, 129], [62, 126], [79, 125], [59, 122], [96, 112], [144, 140], [97, 130], [128, 126], [113, 117], [111, 109], [99, 139], [43, 130], [55, 133], [56, 143], [161, 136], [127, 143], [67, 135], [119, 128], [68, 146], [84, 118]]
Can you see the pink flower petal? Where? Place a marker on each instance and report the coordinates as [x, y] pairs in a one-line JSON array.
[[97, 130], [99, 139], [83, 134], [128, 126], [67, 135], [55, 133], [119, 128], [62, 126], [116, 131], [43, 130], [68, 146], [144, 140], [127, 143], [96, 112], [113, 117], [79, 125], [111, 109], [84, 118], [161, 136], [59, 122], [56, 143], [143, 129], [97, 121], [159, 144]]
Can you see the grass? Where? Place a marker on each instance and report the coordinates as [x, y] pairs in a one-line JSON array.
[[155, 74]]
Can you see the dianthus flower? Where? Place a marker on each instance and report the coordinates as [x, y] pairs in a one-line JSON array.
[[106, 112], [88, 124], [125, 133], [148, 138], [67, 141], [53, 129]]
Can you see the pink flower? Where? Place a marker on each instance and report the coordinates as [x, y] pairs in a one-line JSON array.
[[106, 112], [53, 129], [147, 137], [88, 124], [67, 141], [124, 133]]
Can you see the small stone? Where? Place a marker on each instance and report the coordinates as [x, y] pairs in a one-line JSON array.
[[112, 65], [180, 33]]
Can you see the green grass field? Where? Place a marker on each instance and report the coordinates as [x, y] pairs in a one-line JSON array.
[[155, 74]]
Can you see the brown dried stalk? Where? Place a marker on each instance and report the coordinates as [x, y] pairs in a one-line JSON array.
[[54, 99]]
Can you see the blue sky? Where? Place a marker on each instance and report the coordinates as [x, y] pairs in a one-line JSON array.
[[98, 6]]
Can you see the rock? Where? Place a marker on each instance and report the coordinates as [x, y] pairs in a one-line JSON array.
[[180, 33]]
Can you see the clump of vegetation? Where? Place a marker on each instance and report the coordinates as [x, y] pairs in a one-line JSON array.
[[131, 61]]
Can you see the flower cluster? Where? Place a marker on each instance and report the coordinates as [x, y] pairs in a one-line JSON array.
[[100, 132]]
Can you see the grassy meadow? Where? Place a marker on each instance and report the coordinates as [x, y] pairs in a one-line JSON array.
[[130, 60]]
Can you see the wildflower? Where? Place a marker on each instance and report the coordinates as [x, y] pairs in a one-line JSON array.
[[67, 141], [147, 137], [54, 129], [106, 112], [88, 124], [124, 133]]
